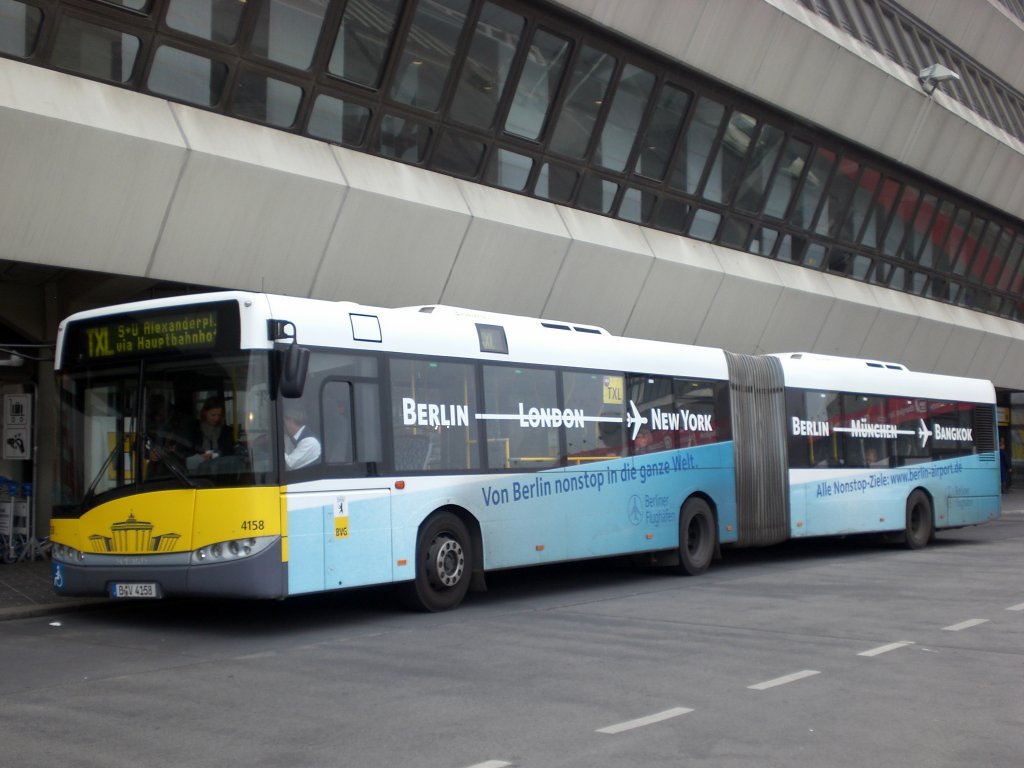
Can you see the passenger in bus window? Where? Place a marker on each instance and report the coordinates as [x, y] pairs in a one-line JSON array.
[[871, 457], [211, 439], [302, 447]]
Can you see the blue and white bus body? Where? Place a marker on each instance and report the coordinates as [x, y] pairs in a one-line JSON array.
[[478, 441], [624, 505], [963, 489]]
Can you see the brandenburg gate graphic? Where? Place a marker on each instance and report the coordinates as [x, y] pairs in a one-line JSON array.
[[133, 535]]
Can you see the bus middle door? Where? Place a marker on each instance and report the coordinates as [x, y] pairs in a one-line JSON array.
[[357, 540], [338, 539]]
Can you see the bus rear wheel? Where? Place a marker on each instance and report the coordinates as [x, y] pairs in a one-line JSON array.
[[920, 520], [444, 565], [696, 537]]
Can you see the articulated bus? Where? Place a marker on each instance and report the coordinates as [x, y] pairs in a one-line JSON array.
[[440, 443]]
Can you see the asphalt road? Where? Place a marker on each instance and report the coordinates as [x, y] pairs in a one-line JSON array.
[[842, 653]]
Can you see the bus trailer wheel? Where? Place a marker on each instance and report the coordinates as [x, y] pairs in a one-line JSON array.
[[696, 537], [444, 565], [920, 521]]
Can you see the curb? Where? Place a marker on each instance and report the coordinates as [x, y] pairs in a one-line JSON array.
[[48, 609]]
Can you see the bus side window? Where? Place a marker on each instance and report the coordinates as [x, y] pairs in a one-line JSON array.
[[336, 407], [815, 443], [906, 414], [528, 442], [593, 394], [653, 397], [367, 419], [431, 403], [696, 402], [864, 448], [348, 416]]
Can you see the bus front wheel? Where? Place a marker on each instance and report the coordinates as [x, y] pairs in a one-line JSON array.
[[696, 537], [444, 564], [920, 521]]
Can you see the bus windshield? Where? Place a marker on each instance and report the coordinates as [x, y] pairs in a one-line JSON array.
[[190, 421]]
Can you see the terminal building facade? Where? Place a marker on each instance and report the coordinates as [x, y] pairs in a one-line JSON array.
[[834, 176]]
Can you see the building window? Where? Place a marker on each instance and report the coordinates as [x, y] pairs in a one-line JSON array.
[[802, 213], [755, 178], [662, 133], [931, 253], [403, 139], [538, 83], [287, 31], [214, 20], [735, 233], [902, 223], [556, 183], [732, 151], [840, 190], [186, 76], [266, 99], [814, 256], [508, 170], [787, 178], [428, 52], [587, 89], [705, 224], [338, 121], [692, 155], [485, 69], [672, 215], [95, 51], [637, 205], [131, 5], [363, 41], [764, 241], [596, 194], [628, 107], [19, 28], [458, 155]]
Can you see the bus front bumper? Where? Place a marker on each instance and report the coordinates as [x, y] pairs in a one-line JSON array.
[[262, 575]]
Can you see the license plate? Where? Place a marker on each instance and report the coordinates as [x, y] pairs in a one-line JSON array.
[[145, 589]]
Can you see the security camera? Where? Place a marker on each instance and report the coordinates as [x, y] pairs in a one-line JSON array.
[[930, 77]]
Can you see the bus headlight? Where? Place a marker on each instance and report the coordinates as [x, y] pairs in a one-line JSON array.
[[66, 554], [235, 549]]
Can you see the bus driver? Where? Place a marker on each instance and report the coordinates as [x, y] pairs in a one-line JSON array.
[[301, 446]]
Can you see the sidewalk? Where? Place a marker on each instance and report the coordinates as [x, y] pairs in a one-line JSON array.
[[26, 588]]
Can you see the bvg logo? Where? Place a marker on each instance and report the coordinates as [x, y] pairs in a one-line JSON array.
[[99, 342]]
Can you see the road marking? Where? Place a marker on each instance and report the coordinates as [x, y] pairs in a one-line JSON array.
[[492, 764], [784, 679], [886, 648], [640, 722], [1017, 607], [965, 625]]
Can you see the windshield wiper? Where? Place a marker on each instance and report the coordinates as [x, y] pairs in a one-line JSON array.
[[154, 447], [91, 491]]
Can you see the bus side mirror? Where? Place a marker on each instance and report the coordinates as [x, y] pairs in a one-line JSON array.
[[293, 371]]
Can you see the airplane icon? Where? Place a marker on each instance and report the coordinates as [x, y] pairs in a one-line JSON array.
[[634, 419], [923, 432]]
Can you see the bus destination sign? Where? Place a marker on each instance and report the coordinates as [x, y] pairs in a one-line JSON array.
[[191, 331], [203, 328]]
